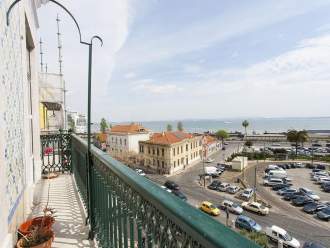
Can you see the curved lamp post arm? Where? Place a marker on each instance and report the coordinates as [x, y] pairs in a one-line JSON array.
[[57, 3], [98, 38]]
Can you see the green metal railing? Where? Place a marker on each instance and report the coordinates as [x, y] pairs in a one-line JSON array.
[[55, 152], [131, 211]]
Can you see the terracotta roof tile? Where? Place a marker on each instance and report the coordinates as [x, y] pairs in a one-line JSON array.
[[169, 137], [131, 128], [209, 139]]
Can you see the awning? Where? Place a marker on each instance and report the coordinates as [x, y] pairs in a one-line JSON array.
[[54, 106]]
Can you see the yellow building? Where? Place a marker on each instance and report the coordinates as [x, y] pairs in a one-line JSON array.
[[169, 152]]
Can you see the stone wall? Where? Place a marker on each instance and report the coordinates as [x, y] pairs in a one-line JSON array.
[[19, 156]]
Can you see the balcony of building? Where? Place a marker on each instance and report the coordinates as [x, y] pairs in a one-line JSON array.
[[122, 208]]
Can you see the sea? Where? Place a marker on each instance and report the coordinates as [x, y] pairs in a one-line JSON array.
[[256, 125]]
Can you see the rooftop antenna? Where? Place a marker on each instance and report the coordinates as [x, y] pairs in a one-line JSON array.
[[59, 46], [41, 56]]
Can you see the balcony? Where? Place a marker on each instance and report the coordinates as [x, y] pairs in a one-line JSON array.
[[127, 210]]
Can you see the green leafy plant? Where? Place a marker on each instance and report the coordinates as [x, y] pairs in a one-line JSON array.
[[259, 238]]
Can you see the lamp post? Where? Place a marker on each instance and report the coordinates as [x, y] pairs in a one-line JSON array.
[[90, 216]]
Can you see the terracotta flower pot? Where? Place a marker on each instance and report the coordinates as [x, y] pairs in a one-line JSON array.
[[27, 226], [46, 244]]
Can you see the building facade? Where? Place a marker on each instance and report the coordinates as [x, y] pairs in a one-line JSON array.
[[52, 102], [19, 116], [169, 152], [123, 140], [210, 145]]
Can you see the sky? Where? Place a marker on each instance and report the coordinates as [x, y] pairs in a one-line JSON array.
[[199, 59]]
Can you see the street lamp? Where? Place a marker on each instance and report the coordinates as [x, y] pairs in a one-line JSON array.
[[90, 216]]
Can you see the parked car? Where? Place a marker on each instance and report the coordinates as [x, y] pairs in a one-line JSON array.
[[166, 189], [302, 200], [214, 185], [276, 234], [321, 180], [140, 172], [309, 193], [324, 214], [232, 207], [300, 165], [223, 187], [312, 244], [247, 194], [320, 166], [286, 190], [272, 181], [325, 184], [277, 174], [209, 208], [232, 189], [179, 194], [291, 196], [326, 189], [280, 186], [171, 185], [247, 223], [255, 207], [314, 207]]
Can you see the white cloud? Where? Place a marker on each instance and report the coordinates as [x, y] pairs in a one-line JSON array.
[[147, 85]]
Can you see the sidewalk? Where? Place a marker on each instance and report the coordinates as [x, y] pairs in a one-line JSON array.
[[69, 228]]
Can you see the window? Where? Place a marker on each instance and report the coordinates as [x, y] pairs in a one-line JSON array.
[[174, 164], [178, 162], [125, 142], [200, 143], [187, 147], [112, 139], [141, 149], [153, 151], [191, 156], [157, 151], [178, 150], [181, 149], [182, 160], [149, 150], [173, 151], [190, 145], [120, 141], [157, 163], [163, 152], [116, 140], [163, 166]]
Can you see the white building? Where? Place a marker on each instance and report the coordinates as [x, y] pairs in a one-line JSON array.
[[19, 116], [210, 145], [52, 100], [124, 139]]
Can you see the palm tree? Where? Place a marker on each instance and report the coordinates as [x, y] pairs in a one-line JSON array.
[[245, 124], [222, 134], [180, 126], [297, 137], [103, 125], [169, 127]]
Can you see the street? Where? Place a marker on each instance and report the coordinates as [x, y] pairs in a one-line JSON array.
[[297, 224]]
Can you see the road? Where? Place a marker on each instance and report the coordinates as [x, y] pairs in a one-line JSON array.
[[301, 228]]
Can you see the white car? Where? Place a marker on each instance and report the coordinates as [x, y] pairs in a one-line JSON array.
[[324, 180], [272, 181], [320, 179], [223, 187], [232, 207], [255, 207], [277, 234], [233, 189], [247, 193], [140, 172]]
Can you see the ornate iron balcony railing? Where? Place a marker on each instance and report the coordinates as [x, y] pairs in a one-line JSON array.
[[129, 210]]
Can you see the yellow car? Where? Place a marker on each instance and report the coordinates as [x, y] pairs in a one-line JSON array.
[[209, 208]]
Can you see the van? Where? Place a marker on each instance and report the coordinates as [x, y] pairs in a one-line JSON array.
[[277, 174]]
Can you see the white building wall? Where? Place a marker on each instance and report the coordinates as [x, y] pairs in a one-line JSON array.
[[19, 166], [133, 141]]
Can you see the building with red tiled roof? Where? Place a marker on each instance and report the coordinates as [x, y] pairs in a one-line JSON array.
[[169, 152], [210, 145], [124, 139]]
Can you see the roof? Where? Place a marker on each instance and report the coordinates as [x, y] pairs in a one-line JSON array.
[[169, 137], [209, 139], [278, 229], [131, 128], [207, 203]]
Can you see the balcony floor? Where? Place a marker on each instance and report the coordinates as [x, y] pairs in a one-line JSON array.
[[70, 230]]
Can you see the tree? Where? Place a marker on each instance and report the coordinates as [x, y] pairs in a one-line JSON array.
[[169, 127], [258, 237], [180, 126], [245, 124], [248, 143], [103, 125], [222, 134], [297, 137]]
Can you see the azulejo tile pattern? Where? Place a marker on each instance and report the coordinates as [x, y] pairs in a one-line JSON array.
[[12, 115]]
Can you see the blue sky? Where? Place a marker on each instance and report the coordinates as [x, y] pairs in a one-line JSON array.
[[202, 59]]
